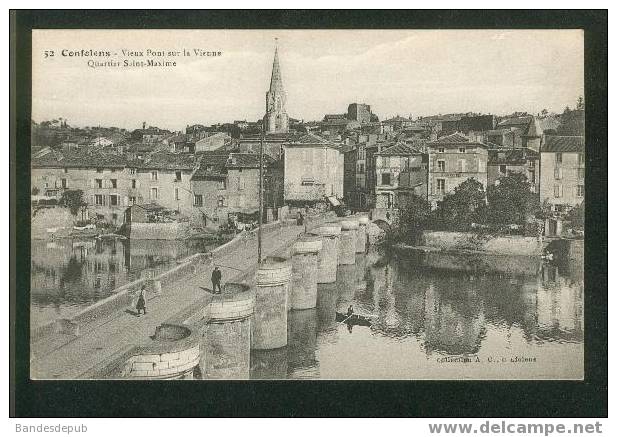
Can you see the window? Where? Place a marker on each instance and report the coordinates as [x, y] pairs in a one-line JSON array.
[[132, 171], [461, 150], [481, 166], [66, 170], [241, 183], [532, 176], [134, 183], [99, 183], [558, 173], [222, 184], [441, 165], [558, 190], [581, 173], [385, 179], [114, 183], [580, 190], [441, 186], [221, 201], [178, 176], [64, 184], [114, 217], [558, 158], [462, 164], [113, 200], [154, 193], [385, 160], [154, 175], [442, 150], [99, 170], [361, 168], [132, 200], [98, 199], [581, 158], [177, 193], [502, 169], [199, 200]]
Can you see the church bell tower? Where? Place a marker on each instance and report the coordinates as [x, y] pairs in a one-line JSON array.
[[276, 119]]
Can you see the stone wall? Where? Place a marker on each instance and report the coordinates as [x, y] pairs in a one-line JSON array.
[[506, 245]]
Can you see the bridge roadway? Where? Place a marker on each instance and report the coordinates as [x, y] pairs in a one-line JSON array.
[[61, 356]]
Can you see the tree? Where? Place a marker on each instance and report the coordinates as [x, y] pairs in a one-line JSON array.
[[73, 199], [576, 216], [465, 206], [511, 201], [413, 218], [580, 103]]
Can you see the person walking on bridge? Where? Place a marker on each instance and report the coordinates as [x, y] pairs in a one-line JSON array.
[[216, 280], [141, 301]]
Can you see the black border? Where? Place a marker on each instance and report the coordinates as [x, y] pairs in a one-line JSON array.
[[316, 398]]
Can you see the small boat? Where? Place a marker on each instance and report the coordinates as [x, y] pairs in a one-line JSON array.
[[354, 319]]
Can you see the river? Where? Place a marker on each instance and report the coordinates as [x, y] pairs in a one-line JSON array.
[[438, 317]]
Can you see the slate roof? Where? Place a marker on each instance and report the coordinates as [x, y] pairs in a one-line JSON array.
[[247, 160], [572, 144], [211, 165], [311, 139], [455, 139], [399, 149], [80, 158], [169, 161]]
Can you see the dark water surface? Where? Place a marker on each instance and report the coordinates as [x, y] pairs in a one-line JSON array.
[[438, 317]]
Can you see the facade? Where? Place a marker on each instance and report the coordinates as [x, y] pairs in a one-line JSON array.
[[503, 162], [452, 160], [276, 119], [313, 169], [350, 157], [562, 171], [272, 143], [400, 171]]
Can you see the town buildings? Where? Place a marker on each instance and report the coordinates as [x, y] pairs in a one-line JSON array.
[[562, 171], [452, 160]]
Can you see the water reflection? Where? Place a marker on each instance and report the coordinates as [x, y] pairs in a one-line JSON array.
[[427, 311], [67, 275]]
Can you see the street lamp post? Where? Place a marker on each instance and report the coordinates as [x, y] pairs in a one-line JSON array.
[[261, 165]]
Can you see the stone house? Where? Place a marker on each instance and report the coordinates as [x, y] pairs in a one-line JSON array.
[[452, 160], [562, 171], [400, 170], [505, 161], [313, 169], [226, 185]]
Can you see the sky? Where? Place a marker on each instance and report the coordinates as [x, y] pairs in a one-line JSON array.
[[397, 72]]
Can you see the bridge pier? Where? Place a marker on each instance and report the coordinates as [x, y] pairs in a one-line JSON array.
[[226, 339], [173, 354], [269, 330], [328, 257], [305, 265], [347, 243]]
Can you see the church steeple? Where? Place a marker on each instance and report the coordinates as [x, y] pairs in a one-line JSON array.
[[276, 119], [276, 81]]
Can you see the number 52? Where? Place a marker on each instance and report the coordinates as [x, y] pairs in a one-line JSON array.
[[49, 53]]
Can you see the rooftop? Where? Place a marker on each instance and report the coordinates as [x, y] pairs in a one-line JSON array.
[[554, 143], [455, 139], [399, 149]]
